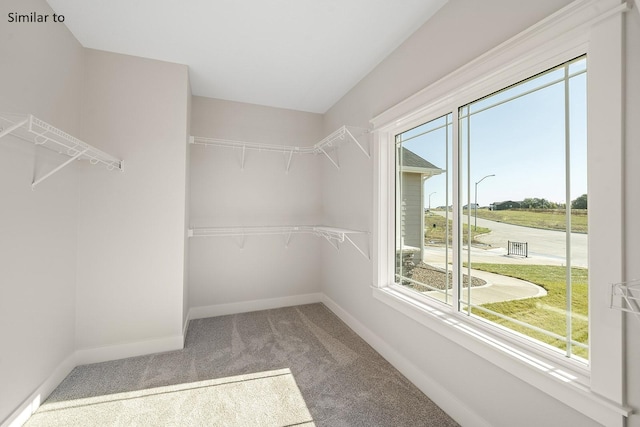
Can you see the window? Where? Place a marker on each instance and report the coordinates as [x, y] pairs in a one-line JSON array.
[[530, 140], [423, 209], [594, 376], [523, 245]]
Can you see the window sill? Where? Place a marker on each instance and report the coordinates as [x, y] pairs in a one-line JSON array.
[[569, 386]]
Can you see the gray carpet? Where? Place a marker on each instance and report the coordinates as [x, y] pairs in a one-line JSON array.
[[292, 366]]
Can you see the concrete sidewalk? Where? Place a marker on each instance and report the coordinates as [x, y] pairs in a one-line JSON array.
[[498, 288]]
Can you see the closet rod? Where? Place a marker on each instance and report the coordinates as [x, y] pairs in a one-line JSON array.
[[333, 235], [339, 135]]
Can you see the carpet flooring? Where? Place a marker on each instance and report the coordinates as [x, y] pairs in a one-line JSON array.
[[295, 366]]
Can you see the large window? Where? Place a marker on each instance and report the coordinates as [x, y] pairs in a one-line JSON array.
[[521, 208], [514, 142], [423, 214]]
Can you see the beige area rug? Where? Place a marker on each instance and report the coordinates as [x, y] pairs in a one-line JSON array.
[[270, 398]]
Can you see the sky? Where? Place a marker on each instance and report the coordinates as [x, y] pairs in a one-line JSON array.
[[520, 141]]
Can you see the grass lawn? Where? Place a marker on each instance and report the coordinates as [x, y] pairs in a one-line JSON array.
[[546, 312], [435, 229], [552, 219]]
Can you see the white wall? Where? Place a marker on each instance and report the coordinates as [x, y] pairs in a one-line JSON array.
[[459, 32], [632, 197], [42, 70], [131, 224], [187, 207], [222, 194], [106, 254]]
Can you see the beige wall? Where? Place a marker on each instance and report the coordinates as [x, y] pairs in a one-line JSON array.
[[93, 260], [461, 31], [41, 72], [187, 216], [632, 199], [225, 270], [99, 258], [131, 224]]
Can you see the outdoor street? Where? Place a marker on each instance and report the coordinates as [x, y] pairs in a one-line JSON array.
[[545, 246]]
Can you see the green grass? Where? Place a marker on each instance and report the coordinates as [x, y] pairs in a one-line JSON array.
[[552, 219], [546, 312], [435, 230]]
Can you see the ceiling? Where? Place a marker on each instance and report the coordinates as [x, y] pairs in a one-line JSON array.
[[297, 54]]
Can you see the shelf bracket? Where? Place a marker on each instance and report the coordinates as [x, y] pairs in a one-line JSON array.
[[366, 152], [330, 240], [357, 247], [244, 150], [288, 239], [47, 175], [289, 160], [13, 127], [626, 297], [240, 240], [329, 157]]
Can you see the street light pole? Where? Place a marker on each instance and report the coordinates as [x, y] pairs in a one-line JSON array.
[[475, 204], [430, 199]]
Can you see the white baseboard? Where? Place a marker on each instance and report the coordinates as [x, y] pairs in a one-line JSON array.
[[85, 356], [185, 327], [32, 403], [449, 403], [256, 305]]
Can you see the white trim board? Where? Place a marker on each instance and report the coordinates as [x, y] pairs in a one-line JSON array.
[[254, 305], [519, 364], [480, 74], [185, 328], [31, 404], [87, 356]]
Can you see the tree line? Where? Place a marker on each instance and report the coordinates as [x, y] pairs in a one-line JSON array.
[[541, 203]]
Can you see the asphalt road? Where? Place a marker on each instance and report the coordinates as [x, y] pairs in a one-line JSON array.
[[542, 244]]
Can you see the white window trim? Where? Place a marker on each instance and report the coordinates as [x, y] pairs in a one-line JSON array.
[[594, 27]]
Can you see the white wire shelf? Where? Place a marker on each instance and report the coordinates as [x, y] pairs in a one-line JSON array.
[[39, 132], [625, 297], [344, 133], [333, 235]]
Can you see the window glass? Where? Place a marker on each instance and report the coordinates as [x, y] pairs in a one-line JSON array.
[[424, 210], [524, 208]]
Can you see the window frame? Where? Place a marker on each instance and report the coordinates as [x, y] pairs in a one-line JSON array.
[[591, 27]]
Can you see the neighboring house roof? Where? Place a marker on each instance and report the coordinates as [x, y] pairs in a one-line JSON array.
[[506, 204], [413, 163]]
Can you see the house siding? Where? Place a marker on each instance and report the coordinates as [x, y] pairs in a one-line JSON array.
[[412, 209]]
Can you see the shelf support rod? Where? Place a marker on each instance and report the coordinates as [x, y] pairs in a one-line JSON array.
[[329, 157], [357, 248], [289, 160], [335, 245], [13, 127], [366, 153], [39, 180]]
